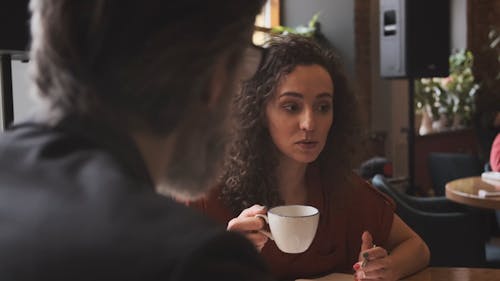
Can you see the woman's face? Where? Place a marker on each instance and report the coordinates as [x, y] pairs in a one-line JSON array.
[[300, 113]]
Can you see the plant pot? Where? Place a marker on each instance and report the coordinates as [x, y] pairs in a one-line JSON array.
[[425, 123], [457, 122], [441, 124]]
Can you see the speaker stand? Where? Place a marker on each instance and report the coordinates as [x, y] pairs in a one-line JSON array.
[[6, 94]]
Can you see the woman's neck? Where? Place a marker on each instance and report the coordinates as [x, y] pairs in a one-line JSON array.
[[291, 179]]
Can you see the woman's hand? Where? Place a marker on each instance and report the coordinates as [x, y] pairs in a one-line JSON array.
[[250, 225], [374, 262]]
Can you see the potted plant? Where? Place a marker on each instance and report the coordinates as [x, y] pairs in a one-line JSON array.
[[312, 29], [449, 102], [431, 103], [461, 88], [307, 31]]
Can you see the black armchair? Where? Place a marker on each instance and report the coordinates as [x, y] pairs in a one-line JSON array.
[[455, 235], [445, 167]]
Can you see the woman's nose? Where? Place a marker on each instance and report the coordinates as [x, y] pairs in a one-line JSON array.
[[307, 121]]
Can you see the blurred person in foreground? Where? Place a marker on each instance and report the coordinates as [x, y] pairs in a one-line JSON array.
[[133, 101], [295, 132]]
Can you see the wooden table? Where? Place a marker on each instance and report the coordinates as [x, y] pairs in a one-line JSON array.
[[465, 191], [455, 274], [431, 274]]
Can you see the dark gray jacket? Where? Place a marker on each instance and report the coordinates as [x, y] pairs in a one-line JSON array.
[[76, 203]]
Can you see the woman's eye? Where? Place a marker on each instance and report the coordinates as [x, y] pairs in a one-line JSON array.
[[324, 107], [291, 107]]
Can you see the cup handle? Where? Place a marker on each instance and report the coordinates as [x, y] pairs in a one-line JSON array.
[[266, 233]]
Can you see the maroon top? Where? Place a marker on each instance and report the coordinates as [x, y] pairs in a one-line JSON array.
[[345, 212]]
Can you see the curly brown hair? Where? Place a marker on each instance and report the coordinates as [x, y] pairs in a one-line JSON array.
[[249, 176]]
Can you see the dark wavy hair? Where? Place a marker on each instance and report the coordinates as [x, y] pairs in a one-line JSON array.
[[249, 176], [135, 64]]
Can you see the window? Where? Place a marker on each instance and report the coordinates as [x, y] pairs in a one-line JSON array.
[[269, 17]]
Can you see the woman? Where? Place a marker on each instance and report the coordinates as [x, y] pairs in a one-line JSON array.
[[294, 133]]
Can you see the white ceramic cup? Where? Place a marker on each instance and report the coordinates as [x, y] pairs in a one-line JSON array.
[[293, 227]]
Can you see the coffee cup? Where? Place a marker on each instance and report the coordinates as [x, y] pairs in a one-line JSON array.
[[293, 227]]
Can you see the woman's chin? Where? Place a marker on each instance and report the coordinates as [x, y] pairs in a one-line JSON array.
[[306, 159]]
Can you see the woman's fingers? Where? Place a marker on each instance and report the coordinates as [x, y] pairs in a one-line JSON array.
[[374, 265], [366, 241], [249, 225], [250, 228], [374, 259], [247, 221], [258, 239], [252, 211], [376, 269], [372, 275], [245, 224], [374, 253]]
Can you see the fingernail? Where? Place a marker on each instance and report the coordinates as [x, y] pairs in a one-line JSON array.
[[365, 255], [356, 266]]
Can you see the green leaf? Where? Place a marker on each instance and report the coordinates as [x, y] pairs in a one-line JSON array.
[[314, 19]]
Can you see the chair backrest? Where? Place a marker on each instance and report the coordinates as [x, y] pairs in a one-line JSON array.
[[455, 239], [375, 165], [445, 167]]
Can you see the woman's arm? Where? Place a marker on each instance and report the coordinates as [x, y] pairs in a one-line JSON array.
[[408, 251]]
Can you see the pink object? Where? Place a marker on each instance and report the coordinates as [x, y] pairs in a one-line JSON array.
[[495, 154]]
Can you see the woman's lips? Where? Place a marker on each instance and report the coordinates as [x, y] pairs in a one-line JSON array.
[[307, 145]]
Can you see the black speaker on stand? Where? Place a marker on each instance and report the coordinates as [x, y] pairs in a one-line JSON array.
[[14, 43], [414, 43]]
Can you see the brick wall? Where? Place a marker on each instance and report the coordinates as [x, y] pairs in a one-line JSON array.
[[371, 144], [482, 15], [363, 61]]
